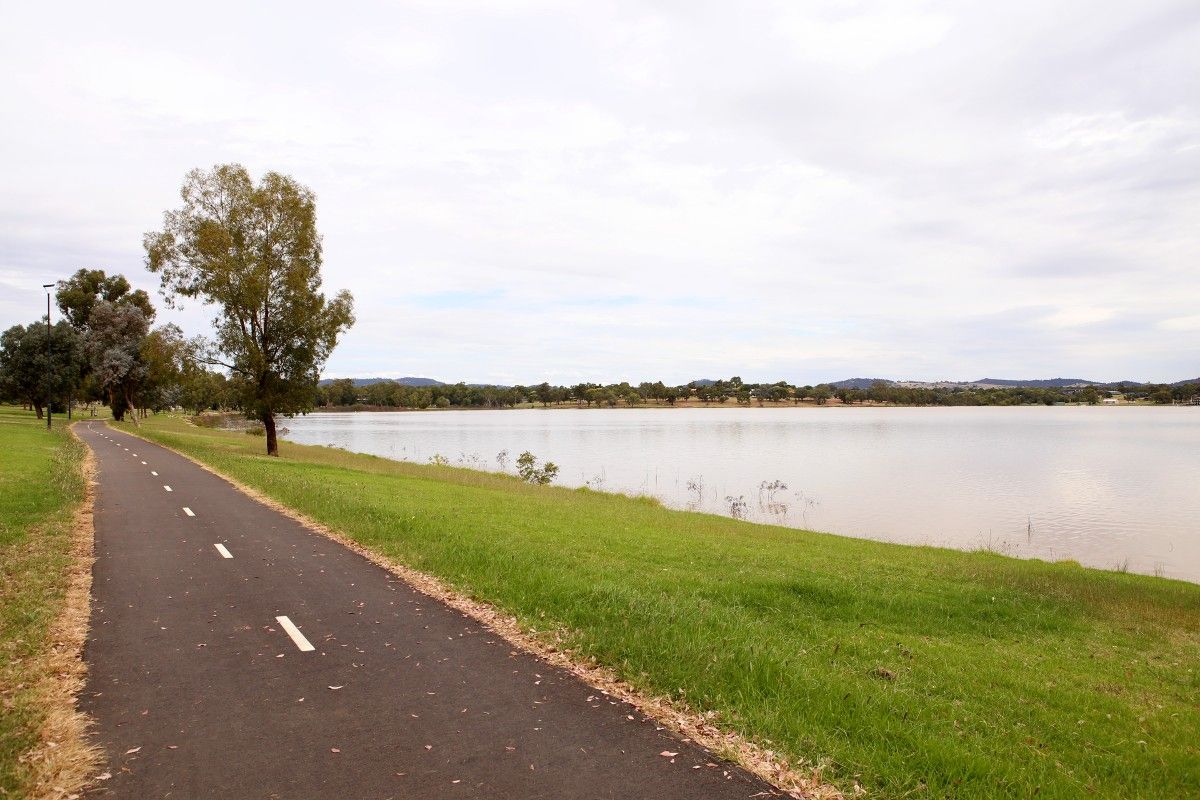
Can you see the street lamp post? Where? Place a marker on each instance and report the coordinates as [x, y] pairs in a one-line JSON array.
[[49, 374]]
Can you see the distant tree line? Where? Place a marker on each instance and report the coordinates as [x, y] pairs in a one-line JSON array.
[[104, 349], [391, 394]]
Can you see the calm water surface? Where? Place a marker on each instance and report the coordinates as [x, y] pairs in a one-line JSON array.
[[1109, 487]]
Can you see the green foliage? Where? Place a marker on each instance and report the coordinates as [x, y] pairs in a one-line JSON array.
[[530, 472], [342, 393], [254, 251], [115, 336], [31, 374], [78, 295], [913, 671], [201, 389], [127, 364], [164, 351], [390, 394]]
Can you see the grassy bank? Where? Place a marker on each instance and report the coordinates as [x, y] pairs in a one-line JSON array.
[[41, 484], [911, 671]]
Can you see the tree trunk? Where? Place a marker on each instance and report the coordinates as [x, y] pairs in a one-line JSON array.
[[118, 412], [38, 408], [268, 421]]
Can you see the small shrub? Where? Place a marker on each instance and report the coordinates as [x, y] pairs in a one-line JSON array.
[[438, 460], [528, 469]]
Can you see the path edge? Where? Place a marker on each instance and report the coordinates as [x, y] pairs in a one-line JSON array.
[[64, 762], [796, 781]]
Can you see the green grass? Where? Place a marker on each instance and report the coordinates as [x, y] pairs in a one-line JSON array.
[[914, 671], [40, 484]]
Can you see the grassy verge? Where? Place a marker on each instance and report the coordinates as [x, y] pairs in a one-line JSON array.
[[41, 487], [907, 670]]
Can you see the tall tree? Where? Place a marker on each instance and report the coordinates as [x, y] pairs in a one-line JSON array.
[[78, 297], [116, 334], [254, 251]]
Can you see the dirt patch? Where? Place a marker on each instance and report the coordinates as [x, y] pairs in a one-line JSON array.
[[797, 780], [63, 760]]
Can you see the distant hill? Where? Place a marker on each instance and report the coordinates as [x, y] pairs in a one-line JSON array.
[[1058, 383], [1048, 383], [848, 383], [410, 381], [407, 381], [859, 383]]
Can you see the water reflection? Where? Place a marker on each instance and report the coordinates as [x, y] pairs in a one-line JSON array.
[[1110, 487]]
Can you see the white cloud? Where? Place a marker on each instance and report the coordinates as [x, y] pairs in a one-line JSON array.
[[607, 190], [1189, 323], [859, 40], [1076, 317], [1113, 135]]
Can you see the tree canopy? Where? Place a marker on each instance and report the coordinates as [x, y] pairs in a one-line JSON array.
[[78, 295], [114, 346], [253, 251], [31, 375]]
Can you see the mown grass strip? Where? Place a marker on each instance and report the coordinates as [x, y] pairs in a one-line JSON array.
[[907, 670], [41, 487]]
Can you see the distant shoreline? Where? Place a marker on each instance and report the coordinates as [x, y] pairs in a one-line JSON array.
[[832, 403]]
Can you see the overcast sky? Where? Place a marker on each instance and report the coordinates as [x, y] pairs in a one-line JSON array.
[[630, 191]]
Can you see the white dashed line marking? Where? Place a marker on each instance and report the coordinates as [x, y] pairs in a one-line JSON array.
[[143, 463], [223, 550], [188, 511], [168, 488], [155, 474], [295, 633]]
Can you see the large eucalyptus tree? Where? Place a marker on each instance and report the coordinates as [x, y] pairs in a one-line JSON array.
[[253, 251]]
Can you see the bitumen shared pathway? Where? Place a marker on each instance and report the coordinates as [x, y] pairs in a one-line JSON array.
[[235, 653]]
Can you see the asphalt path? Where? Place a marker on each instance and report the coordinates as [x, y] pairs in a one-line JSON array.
[[234, 653]]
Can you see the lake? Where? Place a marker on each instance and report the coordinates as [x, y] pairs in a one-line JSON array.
[[1108, 487]]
